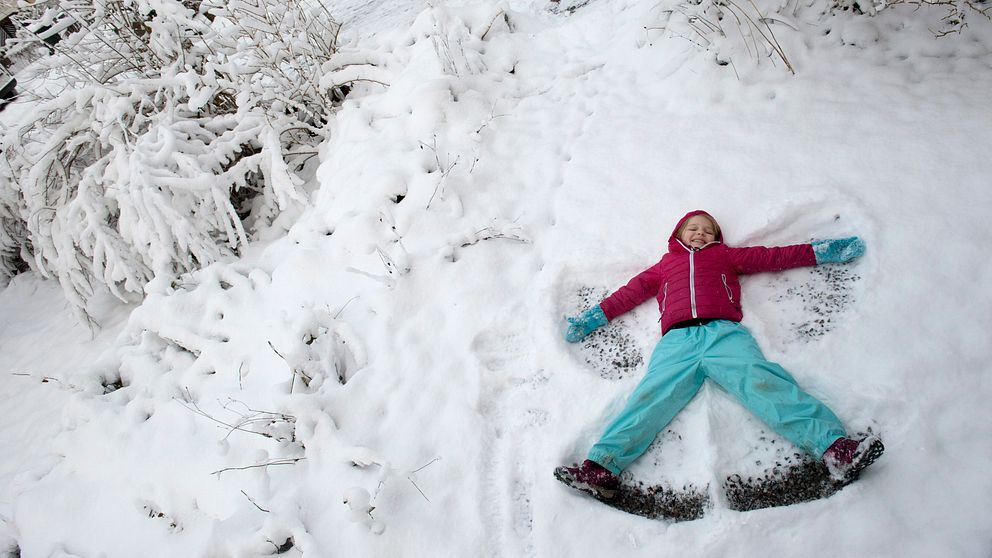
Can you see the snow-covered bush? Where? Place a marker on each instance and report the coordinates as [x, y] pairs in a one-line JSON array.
[[742, 33], [11, 262], [176, 128], [729, 28], [956, 12]]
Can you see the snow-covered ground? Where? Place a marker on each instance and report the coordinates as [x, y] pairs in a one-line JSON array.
[[400, 346]]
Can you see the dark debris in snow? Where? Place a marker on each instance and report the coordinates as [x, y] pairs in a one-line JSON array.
[[781, 486], [611, 350], [285, 547], [825, 294], [792, 480], [658, 502], [652, 502]]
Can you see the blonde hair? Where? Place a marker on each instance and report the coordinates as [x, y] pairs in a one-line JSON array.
[[716, 226]]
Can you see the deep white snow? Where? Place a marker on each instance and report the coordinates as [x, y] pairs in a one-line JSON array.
[[400, 345]]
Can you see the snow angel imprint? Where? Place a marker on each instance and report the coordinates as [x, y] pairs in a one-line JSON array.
[[699, 297]]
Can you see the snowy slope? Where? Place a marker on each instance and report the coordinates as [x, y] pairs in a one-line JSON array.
[[400, 346]]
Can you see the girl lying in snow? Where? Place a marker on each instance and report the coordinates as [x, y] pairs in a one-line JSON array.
[[699, 297]]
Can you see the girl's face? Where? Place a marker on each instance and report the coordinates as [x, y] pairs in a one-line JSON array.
[[698, 232]]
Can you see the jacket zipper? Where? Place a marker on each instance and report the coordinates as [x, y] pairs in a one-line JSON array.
[[730, 293], [692, 274], [692, 284]]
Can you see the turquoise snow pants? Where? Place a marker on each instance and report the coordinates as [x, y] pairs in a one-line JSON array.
[[724, 352]]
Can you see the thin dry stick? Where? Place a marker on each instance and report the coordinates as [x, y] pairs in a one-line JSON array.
[[99, 37], [690, 39], [250, 499], [771, 41], [259, 417], [440, 167], [282, 416], [47, 379], [65, 53], [774, 39], [432, 461], [734, 66], [766, 19], [492, 116], [700, 32], [740, 29], [501, 13], [710, 24], [345, 305], [293, 368], [350, 81], [418, 489], [421, 468], [284, 461], [196, 409]]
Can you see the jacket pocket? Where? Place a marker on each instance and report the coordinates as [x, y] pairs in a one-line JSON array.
[[664, 299], [730, 292]]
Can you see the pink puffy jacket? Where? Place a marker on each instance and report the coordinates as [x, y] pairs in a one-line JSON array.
[[701, 284]]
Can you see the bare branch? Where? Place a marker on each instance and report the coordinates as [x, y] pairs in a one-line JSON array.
[[252, 500], [283, 461]]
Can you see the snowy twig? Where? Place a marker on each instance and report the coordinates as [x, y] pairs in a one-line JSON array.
[[500, 229], [492, 116], [283, 461], [64, 52], [490, 233], [47, 379], [343, 306], [693, 41], [387, 261], [250, 499], [356, 80], [432, 461], [418, 488], [767, 19], [752, 26], [444, 170], [769, 38], [415, 471], [259, 416], [306, 379], [506, 19], [956, 17], [253, 416], [276, 351]]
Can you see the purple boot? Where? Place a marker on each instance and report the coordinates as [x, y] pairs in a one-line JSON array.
[[590, 477], [846, 458]]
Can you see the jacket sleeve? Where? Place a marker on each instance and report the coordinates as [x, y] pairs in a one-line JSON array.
[[755, 259], [642, 287]]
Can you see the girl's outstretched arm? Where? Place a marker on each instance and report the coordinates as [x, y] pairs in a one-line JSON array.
[[642, 287], [756, 259]]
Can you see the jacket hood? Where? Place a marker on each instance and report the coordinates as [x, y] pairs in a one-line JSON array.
[[674, 244]]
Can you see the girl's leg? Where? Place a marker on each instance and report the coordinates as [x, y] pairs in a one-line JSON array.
[[735, 362], [672, 379]]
